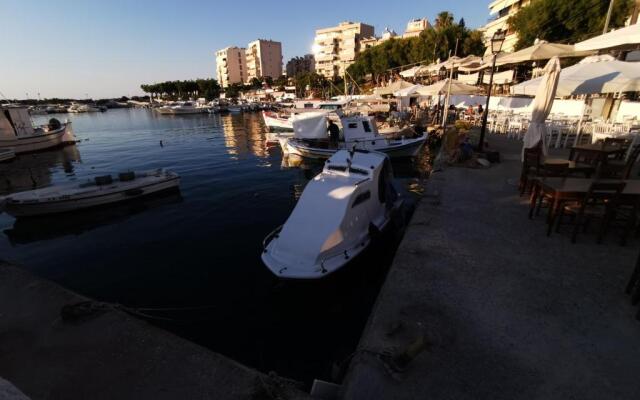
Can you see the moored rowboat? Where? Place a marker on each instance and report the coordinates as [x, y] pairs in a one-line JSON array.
[[100, 191]]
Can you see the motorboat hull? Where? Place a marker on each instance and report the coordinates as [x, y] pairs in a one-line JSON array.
[[99, 197], [395, 149], [277, 124], [181, 111], [7, 154], [46, 140]]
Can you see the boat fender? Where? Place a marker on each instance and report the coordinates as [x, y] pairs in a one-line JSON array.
[[374, 231]]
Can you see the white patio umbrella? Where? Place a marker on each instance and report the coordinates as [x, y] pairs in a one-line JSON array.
[[442, 87], [410, 73], [392, 87], [627, 38], [542, 50], [541, 106], [409, 91], [595, 74]]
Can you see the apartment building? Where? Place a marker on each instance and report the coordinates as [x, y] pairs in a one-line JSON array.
[[336, 48], [500, 11], [298, 65], [264, 58], [415, 27], [231, 66]]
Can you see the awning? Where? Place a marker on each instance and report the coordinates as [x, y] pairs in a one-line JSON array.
[[442, 87], [596, 74], [410, 73], [627, 38], [541, 51], [499, 78], [470, 79]]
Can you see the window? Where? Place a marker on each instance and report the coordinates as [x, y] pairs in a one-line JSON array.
[[353, 125], [367, 127], [361, 198]]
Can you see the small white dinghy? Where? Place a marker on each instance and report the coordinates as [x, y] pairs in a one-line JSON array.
[[339, 211], [100, 191]]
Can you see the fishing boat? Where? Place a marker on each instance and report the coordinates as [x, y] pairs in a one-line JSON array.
[[310, 138], [277, 122], [101, 190], [180, 108], [339, 213], [7, 154], [17, 131]]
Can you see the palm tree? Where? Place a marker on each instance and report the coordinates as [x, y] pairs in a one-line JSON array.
[[444, 20]]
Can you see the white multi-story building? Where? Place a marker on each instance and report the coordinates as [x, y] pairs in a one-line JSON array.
[[500, 11], [415, 27], [336, 48], [231, 66], [264, 58]]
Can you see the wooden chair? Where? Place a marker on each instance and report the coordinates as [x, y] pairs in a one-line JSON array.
[[617, 142], [530, 168], [621, 169], [556, 170], [600, 202]]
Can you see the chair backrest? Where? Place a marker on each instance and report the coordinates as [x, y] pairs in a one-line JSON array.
[[556, 170], [599, 192], [631, 159], [532, 158], [610, 141]]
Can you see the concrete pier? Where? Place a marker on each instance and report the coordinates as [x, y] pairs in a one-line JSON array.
[[481, 304], [98, 352]]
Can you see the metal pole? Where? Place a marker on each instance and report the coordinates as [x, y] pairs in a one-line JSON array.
[[606, 21], [447, 100], [486, 109]]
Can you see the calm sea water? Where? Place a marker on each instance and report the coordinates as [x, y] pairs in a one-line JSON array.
[[199, 248]]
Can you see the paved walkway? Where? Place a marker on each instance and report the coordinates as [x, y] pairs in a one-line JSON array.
[[484, 306], [108, 355]]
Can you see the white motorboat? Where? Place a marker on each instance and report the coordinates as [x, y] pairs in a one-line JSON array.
[[277, 122], [17, 131], [7, 154], [37, 110], [83, 108], [101, 190], [335, 219], [180, 108], [358, 132]]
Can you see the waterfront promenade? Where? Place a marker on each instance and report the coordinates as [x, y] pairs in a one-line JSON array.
[[107, 354], [480, 304]]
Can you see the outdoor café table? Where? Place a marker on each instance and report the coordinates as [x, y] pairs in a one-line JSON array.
[[568, 189], [573, 167]]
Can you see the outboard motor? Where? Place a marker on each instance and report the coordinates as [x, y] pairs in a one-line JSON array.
[[54, 124]]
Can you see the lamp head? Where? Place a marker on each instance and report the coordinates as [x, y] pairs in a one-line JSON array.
[[497, 40]]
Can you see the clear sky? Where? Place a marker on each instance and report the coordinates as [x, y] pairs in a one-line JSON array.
[[107, 48]]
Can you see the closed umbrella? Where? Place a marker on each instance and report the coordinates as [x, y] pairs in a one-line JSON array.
[[542, 106]]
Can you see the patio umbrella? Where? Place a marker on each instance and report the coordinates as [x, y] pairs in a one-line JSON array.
[[392, 87], [410, 73], [541, 51], [627, 38], [595, 74], [409, 91], [442, 87], [542, 106]]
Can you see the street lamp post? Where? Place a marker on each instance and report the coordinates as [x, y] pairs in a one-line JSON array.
[[496, 45]]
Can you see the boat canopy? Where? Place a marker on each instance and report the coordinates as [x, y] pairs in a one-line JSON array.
[[358, 127], [15, 121], [310, 125]]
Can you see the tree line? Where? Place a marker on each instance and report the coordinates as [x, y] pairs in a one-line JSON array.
[[561, 21], [207, 88], [435, 42]]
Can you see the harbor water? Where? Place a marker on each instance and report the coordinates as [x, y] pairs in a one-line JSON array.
[[190, 261]]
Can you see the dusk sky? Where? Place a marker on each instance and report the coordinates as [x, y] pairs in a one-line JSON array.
[[108, 48]]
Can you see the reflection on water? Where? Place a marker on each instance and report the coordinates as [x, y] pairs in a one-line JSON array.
[[32, 229], [33, 170], [200, 248]]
